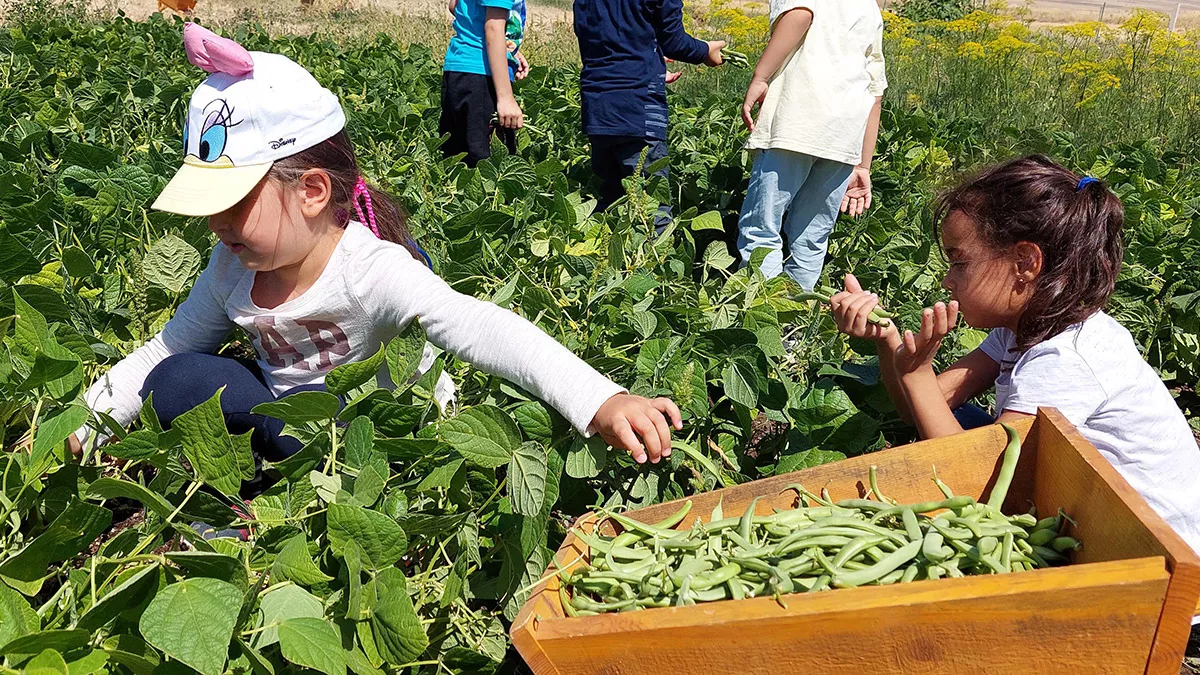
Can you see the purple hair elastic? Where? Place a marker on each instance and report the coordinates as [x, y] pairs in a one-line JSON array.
[[360, 190]]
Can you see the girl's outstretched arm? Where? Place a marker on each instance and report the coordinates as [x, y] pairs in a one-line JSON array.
[[395, 288]]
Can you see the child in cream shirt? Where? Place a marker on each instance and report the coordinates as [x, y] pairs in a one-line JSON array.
[[819, 84]]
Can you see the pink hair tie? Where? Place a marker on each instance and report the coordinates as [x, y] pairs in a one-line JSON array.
[[360, 190]]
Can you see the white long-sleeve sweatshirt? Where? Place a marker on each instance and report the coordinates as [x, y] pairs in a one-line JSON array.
[[369, 291]]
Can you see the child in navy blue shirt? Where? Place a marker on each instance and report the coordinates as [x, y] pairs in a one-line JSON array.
[[623, 45], [482, 59]]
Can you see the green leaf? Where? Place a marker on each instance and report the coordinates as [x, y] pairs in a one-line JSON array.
[[281, 604], [350, 375], [108, 488], [294, 562], [192, 621], [587, 457], [131, 593], [54, 430], [440, 476], [35, 643], [131, 651], [17, 618], [709, 220], [485, 435], [381, 539], [806, 460], [16, 261], [218, 460], [212, 565], [301, 407], [397, 628], [404, 353], [171, 262], [87, 662], [371, 481], [359, 440], [535, 420], [47, 369], [48, 662], [312, 643], [30, 332], [78, 263], [71, 532], [717, 256], [742, 382], [139, 444], [527, 478], [455, 582]]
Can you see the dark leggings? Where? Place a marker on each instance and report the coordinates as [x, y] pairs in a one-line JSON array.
[[184, 381], [971, 416]]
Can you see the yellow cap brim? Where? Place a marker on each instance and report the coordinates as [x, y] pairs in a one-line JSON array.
[[204, 190]]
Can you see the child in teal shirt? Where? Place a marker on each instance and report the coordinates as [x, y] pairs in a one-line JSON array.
[[482, 60]]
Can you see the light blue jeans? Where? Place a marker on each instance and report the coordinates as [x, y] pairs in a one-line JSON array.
[[797, 197]]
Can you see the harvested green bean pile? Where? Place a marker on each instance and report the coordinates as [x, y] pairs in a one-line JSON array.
[[819, 545]]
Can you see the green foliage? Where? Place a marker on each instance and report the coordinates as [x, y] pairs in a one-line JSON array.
[[943, 10]]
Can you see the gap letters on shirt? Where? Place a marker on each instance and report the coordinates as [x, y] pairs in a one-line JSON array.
[[300, 344]]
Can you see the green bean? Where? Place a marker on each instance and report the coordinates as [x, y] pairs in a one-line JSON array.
[[822, 583], [967, 523], [879, 569], [811, 542], [935, 571], [676, 518], [747, 520], [987, 544], [584, 603], [874, 482], [932, 547], [1051, 523], [951, 503], [856, 548], [1007, 550], [911, 526], [1064, 544], [910, 573], [684, 597], [637, 525], [1025, 520], [710, 594], [1049, 554], [941, 486], [866, 504], [1012, 453], [737, 589], [565, 601]]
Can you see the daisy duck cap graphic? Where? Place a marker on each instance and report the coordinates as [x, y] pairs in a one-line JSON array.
[[253, 109]]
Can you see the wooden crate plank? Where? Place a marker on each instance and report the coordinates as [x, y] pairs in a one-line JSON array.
[[1105, 615]]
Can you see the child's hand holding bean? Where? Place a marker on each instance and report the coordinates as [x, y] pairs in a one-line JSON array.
[[852, 311]]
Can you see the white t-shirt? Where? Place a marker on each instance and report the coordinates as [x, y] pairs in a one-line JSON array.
[[1094, 375], [369, 291], [819, 101]]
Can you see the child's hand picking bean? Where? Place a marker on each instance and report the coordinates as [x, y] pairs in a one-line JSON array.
[[638, 425]]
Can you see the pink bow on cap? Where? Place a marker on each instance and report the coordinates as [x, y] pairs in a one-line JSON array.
[[215, 54]]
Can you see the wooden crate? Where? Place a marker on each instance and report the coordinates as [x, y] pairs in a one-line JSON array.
[[1123, 606]]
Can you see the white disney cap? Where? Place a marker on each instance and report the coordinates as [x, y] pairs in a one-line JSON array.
[[255, 108]]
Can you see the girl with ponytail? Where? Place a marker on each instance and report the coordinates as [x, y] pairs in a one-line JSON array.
[[318, 268], [1034, 252]]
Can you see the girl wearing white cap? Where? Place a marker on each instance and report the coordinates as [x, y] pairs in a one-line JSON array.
[[268, 162]]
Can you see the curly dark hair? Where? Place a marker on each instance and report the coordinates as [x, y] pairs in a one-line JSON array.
[[1077, 228]]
